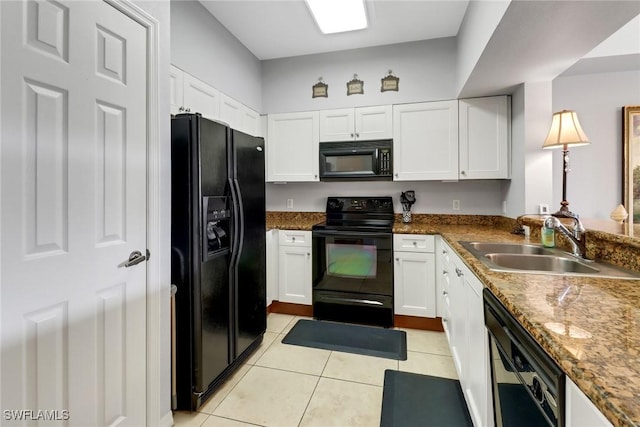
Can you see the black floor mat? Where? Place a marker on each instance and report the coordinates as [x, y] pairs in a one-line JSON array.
[[410, 400], [367, 340]]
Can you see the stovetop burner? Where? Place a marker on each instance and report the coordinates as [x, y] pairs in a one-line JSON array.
[[358, 214]]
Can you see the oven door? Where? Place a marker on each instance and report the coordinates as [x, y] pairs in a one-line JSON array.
[[353, 276]]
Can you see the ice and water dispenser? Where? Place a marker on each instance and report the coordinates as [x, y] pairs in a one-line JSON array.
[[217, 215]]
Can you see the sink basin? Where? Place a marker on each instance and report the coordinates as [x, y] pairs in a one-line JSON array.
[[508, 248], [550, 263], [536, 259]]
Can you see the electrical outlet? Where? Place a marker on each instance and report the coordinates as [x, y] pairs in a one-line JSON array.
[[289, 203], [543, 209], [456, 205]]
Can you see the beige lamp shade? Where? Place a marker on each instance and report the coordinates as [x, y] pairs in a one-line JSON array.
[[565, 130]]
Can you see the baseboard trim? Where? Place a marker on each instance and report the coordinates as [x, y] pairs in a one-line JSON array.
[[414, 322], [166, 420], [290, 308], [400, 321]]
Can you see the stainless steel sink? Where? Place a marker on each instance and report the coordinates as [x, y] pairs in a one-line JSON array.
[[509, 248], [551, 263], [528, 258]]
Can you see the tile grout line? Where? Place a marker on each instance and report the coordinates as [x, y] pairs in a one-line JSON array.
[[314, 389]]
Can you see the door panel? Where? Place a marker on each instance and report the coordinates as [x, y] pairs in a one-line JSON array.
[[251, 280], [73, 153]]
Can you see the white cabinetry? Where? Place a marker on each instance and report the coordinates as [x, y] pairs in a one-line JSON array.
[[292, 147], [363, 123], [294, 266], [414, 275], [580, 411], [463, 321], [272, 266], [231, 112], [484, 138], [425, 141], [191, 95], [450, 140], [251, 122]]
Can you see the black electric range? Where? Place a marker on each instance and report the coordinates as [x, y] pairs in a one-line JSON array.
[[353, 261]]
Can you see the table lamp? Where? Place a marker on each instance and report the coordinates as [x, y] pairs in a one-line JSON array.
[[565, 130]]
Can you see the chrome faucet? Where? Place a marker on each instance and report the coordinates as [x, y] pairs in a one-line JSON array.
[[576, 237]]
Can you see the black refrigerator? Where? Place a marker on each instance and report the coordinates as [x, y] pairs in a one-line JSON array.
[[218, 258]]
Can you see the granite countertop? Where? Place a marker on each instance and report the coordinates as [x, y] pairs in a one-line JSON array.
[[594, 335]]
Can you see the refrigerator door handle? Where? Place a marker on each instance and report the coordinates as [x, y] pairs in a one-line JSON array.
[[240, 206], [235, 209]]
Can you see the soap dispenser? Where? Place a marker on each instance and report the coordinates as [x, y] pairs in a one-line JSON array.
[[547, 236]]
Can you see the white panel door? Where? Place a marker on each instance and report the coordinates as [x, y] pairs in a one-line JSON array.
[[73, 195], [425, 141], [251, 121], [292, 147]]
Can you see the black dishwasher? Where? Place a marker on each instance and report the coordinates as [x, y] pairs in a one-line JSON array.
[[527, 385]]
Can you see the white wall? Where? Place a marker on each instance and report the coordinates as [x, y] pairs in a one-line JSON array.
[[594, 185], [478, 25], [201, 46], [426, 70], [476, 197]]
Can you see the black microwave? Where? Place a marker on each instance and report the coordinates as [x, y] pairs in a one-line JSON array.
[[356, 160]]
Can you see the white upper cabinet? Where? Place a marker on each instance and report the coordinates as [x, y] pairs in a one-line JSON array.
[[251, 122], [231, 112], [176, 94], [425, 141], [350, 124], [201, 98], [485, 138], [292, 147]]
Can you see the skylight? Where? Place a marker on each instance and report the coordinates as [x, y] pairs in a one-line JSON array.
[[337, 16]]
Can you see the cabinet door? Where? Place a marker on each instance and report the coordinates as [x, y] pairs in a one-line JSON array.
[[374, 122], [458, 320], [201, 98], [484, 138], [231, 112], [176, 95], [251, 122], [337, 125], [425, 141], [414, 284], [294, 272], [580, 411], [292, 147], [476, 382]]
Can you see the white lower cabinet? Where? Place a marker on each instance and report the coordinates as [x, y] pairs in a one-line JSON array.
[[414, 275], [294, 266], [580, 411], [463, 321]]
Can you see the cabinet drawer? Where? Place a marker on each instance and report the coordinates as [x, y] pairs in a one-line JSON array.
[[294, 238], [413, 243]]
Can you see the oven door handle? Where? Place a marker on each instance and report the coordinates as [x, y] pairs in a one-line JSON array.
[[331, 233]]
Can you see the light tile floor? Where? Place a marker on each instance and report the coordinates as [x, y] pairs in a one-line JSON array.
[[286, 385]]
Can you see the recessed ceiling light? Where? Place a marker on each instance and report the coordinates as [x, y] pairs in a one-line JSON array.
[[337, 16]]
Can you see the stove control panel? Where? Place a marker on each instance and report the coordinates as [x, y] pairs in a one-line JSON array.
[[360, 204]]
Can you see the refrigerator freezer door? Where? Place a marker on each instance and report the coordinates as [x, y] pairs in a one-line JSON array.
[[250, 272]]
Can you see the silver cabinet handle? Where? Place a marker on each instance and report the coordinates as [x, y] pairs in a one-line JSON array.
[[444, 252], [445, 293], [396, 175], [315, 176], [397, 259], [463, 172], [351, 135], [188, 110], [445, 272], [135, 258], [458, 272], [308, 253], [181, 109], [444, 319], [415, 243], [293, 238], [357, 135]]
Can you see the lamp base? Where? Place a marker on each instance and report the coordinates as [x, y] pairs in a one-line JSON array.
[[564, 211]]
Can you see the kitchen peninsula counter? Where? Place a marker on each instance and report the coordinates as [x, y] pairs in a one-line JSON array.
[[599, 346]]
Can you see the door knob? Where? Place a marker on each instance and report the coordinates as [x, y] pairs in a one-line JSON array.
[[135, 257]]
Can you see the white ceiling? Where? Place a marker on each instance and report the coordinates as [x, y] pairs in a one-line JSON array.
[[281, 28]]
